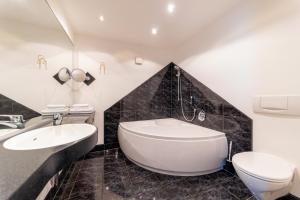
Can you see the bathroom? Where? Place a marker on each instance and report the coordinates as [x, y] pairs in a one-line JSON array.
[[158, 100]]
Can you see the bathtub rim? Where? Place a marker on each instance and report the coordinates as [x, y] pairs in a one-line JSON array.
[[214, 134]]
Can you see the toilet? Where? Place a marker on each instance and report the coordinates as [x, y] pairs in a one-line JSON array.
[[268, 177]]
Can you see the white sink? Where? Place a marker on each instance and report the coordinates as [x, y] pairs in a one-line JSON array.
[[49, 136]]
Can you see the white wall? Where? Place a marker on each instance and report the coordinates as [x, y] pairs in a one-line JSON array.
[[21, 79], [253, 49], [122, 74]]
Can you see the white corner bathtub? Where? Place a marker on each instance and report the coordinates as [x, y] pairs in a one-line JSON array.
[[174, 147]]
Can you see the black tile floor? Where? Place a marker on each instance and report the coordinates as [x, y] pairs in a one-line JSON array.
[[110, 175]]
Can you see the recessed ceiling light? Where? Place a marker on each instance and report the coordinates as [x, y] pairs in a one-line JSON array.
[[154, 31], [171, 7], [101, 18]]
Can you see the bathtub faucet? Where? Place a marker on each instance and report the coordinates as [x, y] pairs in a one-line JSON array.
[[57, 119]]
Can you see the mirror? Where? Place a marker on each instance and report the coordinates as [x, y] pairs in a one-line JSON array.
[[64, 74], [33, 47], [78, 75]]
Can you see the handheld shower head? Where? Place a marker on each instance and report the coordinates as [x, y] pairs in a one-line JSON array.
[[179, 95], [178, 70]]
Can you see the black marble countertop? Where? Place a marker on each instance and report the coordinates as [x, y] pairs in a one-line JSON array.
[[23, 174]]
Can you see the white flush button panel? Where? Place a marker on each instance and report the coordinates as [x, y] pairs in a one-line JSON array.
[[274, 102], [277, 104]]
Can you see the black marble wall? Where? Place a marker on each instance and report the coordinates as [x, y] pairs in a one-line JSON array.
[[157, 98], [11, 107], [220, 114], [151, 100]]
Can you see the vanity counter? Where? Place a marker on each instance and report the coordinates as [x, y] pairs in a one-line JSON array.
[[24, 173]]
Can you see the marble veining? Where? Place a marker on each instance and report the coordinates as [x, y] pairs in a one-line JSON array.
[[11, 107], [220, 114], [157, 98], [109, 175], [151, 100]]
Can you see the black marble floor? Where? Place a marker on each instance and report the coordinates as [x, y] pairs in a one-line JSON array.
[[110, 175]]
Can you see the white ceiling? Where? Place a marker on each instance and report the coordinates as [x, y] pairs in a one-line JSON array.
[[132, 20]]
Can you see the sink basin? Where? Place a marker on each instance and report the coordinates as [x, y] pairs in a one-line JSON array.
[[49, 136]]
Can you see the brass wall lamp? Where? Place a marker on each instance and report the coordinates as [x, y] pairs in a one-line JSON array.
[[77, 74], [41, 61]]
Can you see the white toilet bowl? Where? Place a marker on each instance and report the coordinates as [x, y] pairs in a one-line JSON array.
[[267, 177]]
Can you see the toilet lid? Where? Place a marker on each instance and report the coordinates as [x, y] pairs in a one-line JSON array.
[[263, 166]]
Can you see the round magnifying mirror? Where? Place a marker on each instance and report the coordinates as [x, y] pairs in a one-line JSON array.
[[78, 75], [64, 74]]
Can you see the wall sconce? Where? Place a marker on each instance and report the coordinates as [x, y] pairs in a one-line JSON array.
[[41, 61], [102, 68], [78, 75]]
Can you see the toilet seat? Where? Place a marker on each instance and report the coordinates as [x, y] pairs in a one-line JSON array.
[[264, 166]]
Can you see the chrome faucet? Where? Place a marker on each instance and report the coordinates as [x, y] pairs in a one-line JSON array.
[[12, 121], [57, 119]]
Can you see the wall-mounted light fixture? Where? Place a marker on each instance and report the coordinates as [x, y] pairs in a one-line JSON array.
[[77, 74], [102, 68], [41, 61]]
